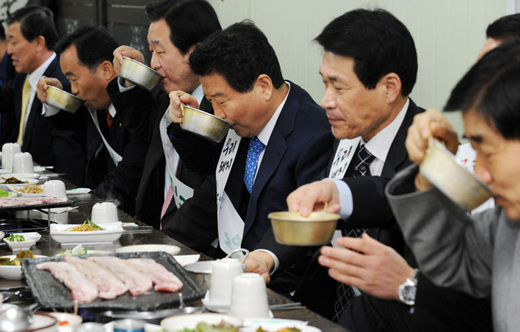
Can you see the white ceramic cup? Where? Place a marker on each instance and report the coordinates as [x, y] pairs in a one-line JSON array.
[[223, 272], [249, 296], [23, 163], [8, 152], [104, 212], [54, 188]]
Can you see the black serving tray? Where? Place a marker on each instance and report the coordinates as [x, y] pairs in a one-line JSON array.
[[51, 293]]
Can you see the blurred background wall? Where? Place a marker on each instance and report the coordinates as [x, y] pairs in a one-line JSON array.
[[447, 33]]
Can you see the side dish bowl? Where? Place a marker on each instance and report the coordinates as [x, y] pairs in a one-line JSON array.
[[291, 228]]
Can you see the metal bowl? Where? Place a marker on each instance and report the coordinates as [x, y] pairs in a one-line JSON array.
[[292, 229], [63, 100], [204, 124], [139, 73], [443, 170]]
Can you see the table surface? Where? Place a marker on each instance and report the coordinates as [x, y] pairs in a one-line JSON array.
[[46, 246]]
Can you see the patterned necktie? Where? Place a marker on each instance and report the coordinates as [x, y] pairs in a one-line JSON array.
[[253, 153], [26, 92], [346, 293], [363, 162]]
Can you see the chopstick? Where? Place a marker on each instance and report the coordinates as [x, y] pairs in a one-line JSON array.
[[287, 306]]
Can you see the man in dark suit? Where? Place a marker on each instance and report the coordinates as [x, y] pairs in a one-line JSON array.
[[52, 137], [278, 141], [171, 37], [115, 152], [375, 268], [366, 100]]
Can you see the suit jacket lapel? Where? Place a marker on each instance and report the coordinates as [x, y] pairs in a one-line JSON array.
[[397, 154]]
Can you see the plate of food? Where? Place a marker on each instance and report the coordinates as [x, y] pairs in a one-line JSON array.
[[275, 324], [172, 250], [10, 265], [22, 241], [88, 232], [138, 281], [200, 322], [25, 176], [26, 189], [4, 181], [83, 250]]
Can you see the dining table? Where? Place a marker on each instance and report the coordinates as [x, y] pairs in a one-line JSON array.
[[79, 209]]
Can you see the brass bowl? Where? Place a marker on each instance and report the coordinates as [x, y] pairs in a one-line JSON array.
[[443, 170], [139, 73], [204, 124], [292, 229], [62, 99]]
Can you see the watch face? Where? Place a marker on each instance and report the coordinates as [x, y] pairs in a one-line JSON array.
[[408, 294]]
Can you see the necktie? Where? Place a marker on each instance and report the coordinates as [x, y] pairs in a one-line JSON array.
[[253, 153], [364, 158], [26, 92], [109, 119], [345, 293], [167, 201]]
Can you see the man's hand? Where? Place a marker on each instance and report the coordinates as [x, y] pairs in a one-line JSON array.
[[370, 266], [43, 83], [425, 125], [176, 98], [313, 196], [129, 52], [260, 262]]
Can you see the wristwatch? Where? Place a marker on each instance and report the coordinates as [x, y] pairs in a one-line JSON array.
[[408, 289]]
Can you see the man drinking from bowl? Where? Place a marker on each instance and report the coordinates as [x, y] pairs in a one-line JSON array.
[[115, 149], [476, 254], [166, 185], [280, 138]]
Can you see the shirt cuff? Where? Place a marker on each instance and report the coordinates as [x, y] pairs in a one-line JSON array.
[[276, 260], [48, 110], [345, 198], [121, 85]]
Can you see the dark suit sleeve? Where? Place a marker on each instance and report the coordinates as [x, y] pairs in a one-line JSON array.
[[68, 138], [9, 130], [371, 208], [7, 91]]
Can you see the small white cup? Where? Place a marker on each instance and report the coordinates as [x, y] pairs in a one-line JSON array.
[[104, 212], [8, 151], [54, 188], [249, 296], [223, 272], [23, 163]]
